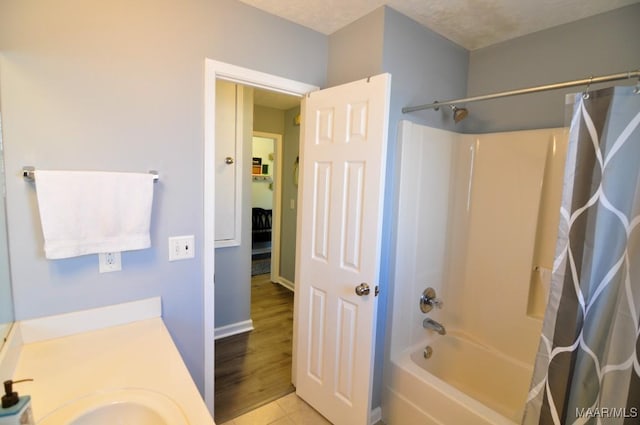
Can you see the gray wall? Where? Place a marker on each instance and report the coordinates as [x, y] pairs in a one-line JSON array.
[[355, 51], [425, 67], [291, 150], [603, 44], [268, 120], [118, 85]]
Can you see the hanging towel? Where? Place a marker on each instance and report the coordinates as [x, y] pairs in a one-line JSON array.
[[88, 212]]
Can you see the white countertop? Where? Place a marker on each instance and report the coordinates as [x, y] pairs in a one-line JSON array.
[[140, 354]]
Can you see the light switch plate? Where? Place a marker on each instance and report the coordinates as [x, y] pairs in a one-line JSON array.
[[181, 247]]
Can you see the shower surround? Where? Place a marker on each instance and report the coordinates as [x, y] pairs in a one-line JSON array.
[[477, 221]]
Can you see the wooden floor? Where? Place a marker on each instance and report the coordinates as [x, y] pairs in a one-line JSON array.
[[254, 368]]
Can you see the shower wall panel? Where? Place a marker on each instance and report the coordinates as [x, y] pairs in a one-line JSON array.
[[468, 225], [503, 207]]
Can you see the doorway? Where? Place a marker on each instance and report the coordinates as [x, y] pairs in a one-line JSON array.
[[253, 368], [356, 142], [266, 152], [215, 70]]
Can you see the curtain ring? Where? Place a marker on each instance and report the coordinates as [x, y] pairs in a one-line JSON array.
[[586, 94]]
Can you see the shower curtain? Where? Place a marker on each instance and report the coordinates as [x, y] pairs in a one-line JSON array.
[[587, 370]]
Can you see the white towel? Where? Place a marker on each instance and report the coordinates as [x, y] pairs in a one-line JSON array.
[[88, 212]]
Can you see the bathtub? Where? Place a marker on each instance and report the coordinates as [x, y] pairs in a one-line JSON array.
[[463, 382], [468, 215]]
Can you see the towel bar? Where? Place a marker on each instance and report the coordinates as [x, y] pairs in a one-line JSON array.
[[27, 173]]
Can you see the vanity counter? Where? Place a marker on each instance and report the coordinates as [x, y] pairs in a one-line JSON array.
[[136, 355]]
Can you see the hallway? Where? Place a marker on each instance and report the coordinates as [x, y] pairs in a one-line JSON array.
[[254, 368]]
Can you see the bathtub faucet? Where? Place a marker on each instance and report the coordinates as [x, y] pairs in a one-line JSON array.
[[428, 300], [429, 323]]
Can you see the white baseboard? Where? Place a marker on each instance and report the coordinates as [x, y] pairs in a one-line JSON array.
[[233, 329], [376, 416]]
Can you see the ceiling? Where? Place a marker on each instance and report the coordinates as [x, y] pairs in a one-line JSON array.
[[470, 23]]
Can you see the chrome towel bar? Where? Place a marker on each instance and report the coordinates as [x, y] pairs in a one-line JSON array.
[[27, 174]]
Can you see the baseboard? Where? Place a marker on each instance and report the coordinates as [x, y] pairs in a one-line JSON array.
[[233, 329], [376, 416], [286, 283]]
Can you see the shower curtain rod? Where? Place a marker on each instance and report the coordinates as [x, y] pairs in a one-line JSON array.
[[584, 81]]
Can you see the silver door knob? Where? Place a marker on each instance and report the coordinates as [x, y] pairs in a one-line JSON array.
[[362, 289], [228, 160]]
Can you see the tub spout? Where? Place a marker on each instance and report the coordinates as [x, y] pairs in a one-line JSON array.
[[429, 323]]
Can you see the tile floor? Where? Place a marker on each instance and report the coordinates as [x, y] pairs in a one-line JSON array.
[[288, 410]]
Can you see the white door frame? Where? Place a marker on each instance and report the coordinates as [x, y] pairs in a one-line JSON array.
[[224, 71], [277, 205]]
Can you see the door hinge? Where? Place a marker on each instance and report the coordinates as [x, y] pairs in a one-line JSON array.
[[377, 290]]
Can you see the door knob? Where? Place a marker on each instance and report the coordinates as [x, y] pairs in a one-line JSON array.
[[228, 160], [362, 289]]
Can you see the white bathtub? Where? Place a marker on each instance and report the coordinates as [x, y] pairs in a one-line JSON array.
[[462, 382], [467, 220]]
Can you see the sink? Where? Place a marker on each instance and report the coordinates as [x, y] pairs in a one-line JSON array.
[[129, 406], [124, 412]]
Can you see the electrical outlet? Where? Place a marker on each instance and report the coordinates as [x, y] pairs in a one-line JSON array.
[[181, 247], [109, 262]]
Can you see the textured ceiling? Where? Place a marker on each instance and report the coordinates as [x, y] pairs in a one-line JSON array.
[[470, 23]]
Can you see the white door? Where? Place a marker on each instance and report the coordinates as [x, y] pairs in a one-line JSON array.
[[343, 156]]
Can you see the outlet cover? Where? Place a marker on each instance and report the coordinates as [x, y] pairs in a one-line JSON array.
[[109, 262], [181, 247]]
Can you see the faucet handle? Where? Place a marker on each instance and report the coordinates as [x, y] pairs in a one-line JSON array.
[[428, 300], [437, 302]]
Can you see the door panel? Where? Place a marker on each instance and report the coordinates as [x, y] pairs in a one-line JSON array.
[[322, 204], [316, 335], [344, 372], [343, 156], [352, 215]]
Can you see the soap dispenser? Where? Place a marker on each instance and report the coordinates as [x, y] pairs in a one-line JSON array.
[[15, 410]]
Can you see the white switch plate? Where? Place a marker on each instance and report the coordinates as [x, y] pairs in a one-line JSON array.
[[109, 262], [181, 247]]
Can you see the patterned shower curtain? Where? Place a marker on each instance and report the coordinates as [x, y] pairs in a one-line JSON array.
[[587, 370]]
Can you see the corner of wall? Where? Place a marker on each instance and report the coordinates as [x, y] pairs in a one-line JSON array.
[[355, 51]]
